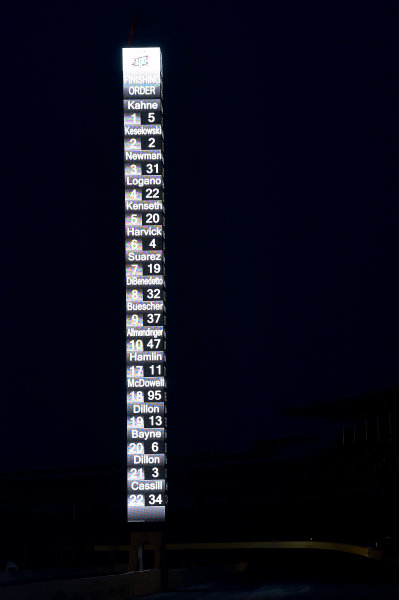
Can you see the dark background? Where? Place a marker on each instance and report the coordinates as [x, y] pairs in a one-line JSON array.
[[282, 219]]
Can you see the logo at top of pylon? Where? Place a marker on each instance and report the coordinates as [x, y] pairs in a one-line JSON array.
[[141, 61]]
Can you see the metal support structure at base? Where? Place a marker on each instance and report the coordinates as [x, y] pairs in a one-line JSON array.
[[143, 542]]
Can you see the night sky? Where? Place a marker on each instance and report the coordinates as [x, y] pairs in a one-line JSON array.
[[281, 172]]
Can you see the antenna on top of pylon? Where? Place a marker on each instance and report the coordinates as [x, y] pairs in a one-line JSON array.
[[131, 33]]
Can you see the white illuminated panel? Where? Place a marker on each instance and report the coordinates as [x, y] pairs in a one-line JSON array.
[[145, 284]]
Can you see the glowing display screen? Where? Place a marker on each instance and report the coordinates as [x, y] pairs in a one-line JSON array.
[[145, 284]]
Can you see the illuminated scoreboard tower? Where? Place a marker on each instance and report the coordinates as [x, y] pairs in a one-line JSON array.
[[145, 284]]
